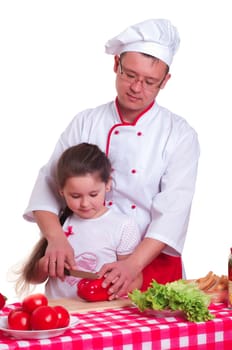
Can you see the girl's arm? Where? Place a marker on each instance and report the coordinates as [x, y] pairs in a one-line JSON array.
[[40, 272]]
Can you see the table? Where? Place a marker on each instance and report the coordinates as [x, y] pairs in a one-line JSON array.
[[126, 328]]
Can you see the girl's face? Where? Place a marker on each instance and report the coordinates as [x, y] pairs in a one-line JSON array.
[[85, 195]]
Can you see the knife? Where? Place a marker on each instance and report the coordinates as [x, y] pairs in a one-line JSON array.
[[81, 274]]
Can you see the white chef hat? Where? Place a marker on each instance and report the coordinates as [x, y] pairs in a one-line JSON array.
[[155, 37]]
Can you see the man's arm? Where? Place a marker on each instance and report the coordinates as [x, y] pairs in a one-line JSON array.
[[128, 269]]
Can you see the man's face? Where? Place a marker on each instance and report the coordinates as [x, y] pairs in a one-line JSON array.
[[138, 82]]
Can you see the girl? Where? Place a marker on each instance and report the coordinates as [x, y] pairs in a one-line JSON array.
[[97, 234]]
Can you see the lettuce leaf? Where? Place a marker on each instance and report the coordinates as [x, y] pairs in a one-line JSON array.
[[177, 295]]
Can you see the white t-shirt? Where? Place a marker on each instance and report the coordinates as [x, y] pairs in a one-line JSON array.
[[95, 242]]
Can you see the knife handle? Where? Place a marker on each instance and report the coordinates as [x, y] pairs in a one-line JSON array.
[[66, 272]]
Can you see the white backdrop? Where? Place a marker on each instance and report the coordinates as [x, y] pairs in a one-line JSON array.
[[53, 65]]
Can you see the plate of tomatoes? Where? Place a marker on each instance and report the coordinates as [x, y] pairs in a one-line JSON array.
[[33, 334], [35, 319]]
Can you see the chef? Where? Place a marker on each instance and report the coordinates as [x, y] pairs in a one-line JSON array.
[[154, 155]]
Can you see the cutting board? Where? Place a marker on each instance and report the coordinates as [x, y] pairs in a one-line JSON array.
[[80, 306]]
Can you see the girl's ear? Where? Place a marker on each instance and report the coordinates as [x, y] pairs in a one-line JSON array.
[[108, 185], [61, 193]]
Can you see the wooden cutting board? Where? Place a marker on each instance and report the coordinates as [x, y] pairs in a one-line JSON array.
[[80, 306]]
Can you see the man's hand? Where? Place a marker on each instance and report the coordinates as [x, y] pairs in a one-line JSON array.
[[123, 272]]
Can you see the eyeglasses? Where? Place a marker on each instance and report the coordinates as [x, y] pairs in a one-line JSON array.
[[149, 84]]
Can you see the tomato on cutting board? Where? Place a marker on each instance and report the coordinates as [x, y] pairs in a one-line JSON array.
[[92, 290]]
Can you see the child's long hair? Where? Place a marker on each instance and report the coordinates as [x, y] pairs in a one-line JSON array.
[[78, 160]]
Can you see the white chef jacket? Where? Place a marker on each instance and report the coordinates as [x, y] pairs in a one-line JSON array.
[[95, 242], [154, 164]]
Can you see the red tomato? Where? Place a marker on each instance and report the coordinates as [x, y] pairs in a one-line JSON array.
[[44, 317], [31, 302], [63, 316], [92, 290], [81, 287], [2, 300], [19, 319]]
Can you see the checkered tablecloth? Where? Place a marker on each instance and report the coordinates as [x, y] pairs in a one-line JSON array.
[[128, 329]]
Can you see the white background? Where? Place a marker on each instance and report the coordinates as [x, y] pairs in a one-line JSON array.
[[53, 65]]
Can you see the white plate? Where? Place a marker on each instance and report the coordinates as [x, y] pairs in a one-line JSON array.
[[35, 334], [164, 313]]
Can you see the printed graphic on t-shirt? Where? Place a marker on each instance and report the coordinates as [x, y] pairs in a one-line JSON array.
[[87, 262]]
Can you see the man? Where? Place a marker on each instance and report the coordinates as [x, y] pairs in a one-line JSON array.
[[154, 154]]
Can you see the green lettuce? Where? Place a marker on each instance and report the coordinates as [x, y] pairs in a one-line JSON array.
[[177, 295]]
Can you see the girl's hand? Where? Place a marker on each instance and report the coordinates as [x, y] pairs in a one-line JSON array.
[[59, 254], [120, 274]]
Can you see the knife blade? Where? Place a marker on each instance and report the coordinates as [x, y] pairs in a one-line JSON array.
[[81, 274]]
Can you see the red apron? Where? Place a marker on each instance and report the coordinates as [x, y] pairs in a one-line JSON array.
[[165, 268]]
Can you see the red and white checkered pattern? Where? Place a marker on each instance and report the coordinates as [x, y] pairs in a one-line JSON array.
[[128, 329]]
